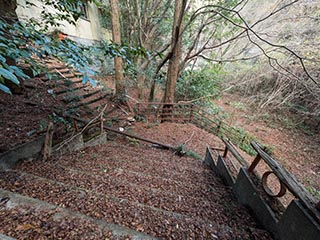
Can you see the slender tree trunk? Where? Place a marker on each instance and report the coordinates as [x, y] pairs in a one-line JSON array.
[[141, 77], [173, 68], [174, 59], [116, 36]]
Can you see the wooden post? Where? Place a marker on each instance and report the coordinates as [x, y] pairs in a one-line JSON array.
[[191, 113], [47, 147], [225, 152], [75, 125], [218, 127], [244, 138], [254, 163], [101, 123]]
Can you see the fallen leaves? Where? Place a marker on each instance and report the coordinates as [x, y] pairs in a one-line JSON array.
[[145, 189]]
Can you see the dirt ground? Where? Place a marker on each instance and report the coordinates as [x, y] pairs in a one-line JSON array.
[[25, 116], [297, 150]]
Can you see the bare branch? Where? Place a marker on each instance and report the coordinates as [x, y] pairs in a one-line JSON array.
[[249, 28]]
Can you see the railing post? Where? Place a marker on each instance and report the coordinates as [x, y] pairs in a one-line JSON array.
[[219, 126], [191, 113], [225, 152], [254, 163], [243, 139]]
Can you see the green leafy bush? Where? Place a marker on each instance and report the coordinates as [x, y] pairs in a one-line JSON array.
[[198, 84]]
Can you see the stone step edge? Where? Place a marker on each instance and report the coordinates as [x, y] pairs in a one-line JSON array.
[[117, 199], [117, 230], [81, 171], [111, 197], [5, 237], [121, 169]]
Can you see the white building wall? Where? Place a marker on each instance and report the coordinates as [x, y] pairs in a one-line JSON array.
[[85, 29]]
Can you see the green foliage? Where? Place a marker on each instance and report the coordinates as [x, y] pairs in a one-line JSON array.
[[181, 150], [199, 83], [26, 43], [243, 139], [69, 11], [22, 43], [133, 141], [126, 52], [238, 105], [313, 191], [105, 17]]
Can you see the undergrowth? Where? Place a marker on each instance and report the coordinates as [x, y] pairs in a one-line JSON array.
[[181, 150]]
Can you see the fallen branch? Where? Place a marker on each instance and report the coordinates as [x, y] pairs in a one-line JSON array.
[[132, 99], [124, 111], [217, 149], [165, 146]]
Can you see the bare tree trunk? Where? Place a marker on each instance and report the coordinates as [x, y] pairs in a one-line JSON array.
[[116, 36], [173, 68], [141, 78]]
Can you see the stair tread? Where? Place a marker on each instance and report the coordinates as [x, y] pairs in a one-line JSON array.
[[80, 95], [66, 90], [120, 188], [89, 100], [114, 210], [5, 237], [46, 214]]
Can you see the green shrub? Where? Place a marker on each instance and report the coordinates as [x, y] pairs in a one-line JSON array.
[[197, 84]]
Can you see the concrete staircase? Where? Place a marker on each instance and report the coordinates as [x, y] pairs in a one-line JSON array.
[[120, 191], [66, 84]]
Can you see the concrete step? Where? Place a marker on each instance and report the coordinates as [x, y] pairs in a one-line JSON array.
[[121, 211], [61, 69], [115, 185], [79, 95], [145, 173], [48, 221], [68, 91], [4, 237], [98, 105], [58, 81], [89, 100]]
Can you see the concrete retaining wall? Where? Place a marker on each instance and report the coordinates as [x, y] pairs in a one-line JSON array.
[[295, 224], [24, 151], [33, 149]]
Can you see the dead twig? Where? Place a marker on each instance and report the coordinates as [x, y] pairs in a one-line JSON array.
[[185, 143], [135, 100], [83, 129], [124, 111]]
